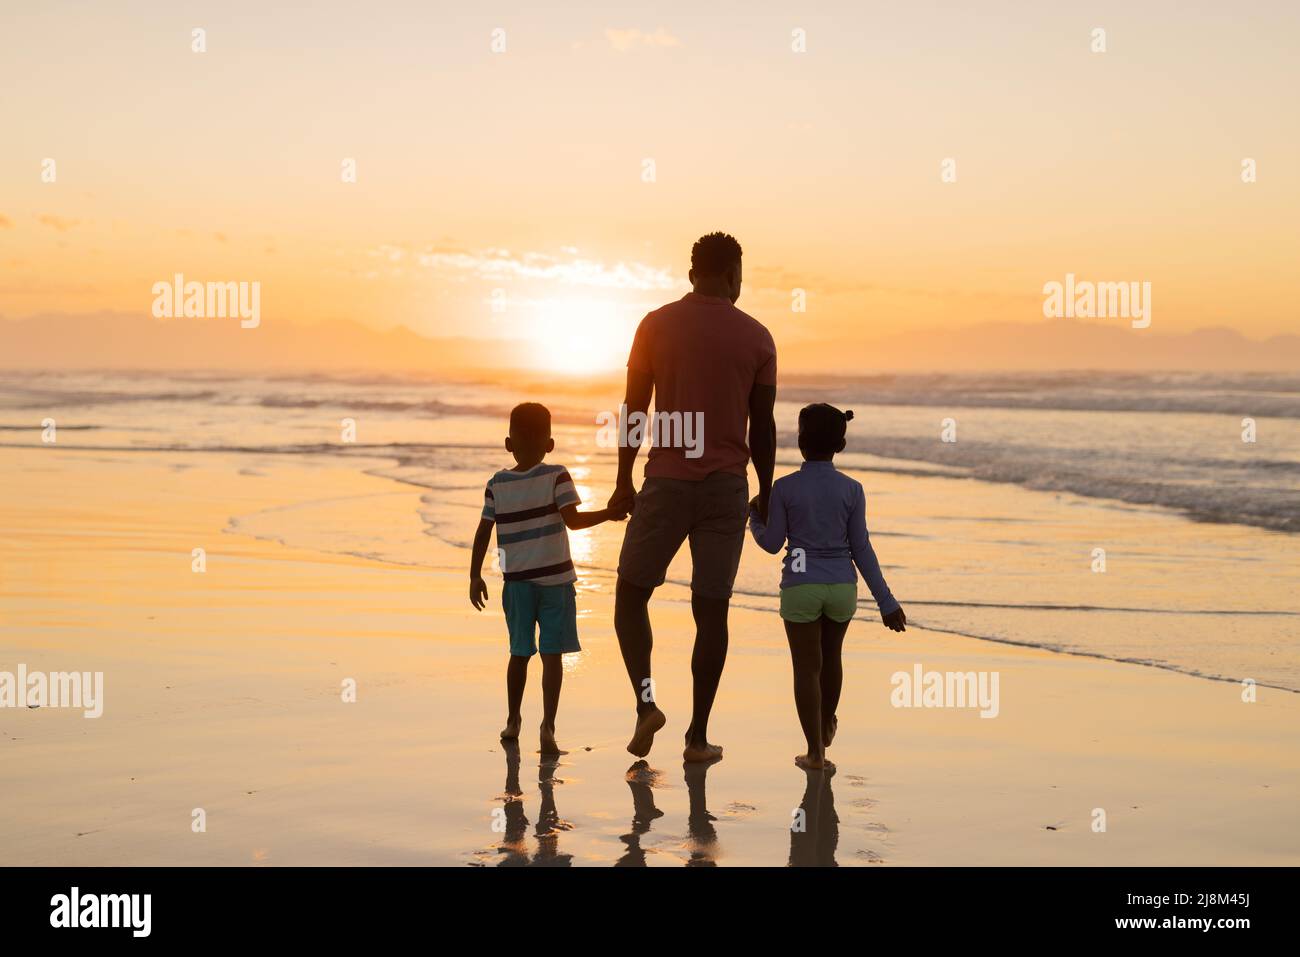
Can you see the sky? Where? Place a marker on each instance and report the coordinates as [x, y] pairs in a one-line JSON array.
[[506, 193]]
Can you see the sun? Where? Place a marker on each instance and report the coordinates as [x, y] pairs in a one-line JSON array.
[[575, 335]]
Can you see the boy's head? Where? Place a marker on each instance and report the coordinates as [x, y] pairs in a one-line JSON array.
[[821, 431], [530, 433]]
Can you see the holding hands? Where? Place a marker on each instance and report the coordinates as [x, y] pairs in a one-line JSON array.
[[621, 502]]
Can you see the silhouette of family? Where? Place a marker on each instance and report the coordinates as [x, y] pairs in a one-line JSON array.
[[704, 360]]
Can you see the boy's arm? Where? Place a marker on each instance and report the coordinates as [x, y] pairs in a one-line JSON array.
[[477, 589], [864, 556], [577, 520], [769, 535], [567, 501]]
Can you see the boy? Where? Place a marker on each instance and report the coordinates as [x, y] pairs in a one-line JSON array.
[[531, 505]]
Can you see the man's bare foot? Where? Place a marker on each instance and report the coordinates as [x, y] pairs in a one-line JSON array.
[[702, 752], [511, 730], [828, 732], [643, 738], [813, 764], [548, 742]]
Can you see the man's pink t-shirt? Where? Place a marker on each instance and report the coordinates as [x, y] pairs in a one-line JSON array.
[[705, 356]]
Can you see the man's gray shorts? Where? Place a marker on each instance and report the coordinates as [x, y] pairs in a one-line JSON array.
[[710, 512]]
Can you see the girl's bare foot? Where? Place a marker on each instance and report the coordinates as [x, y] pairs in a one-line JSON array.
[[644, 736], [511, 730], [548, 741], [809, 763], [702, 752]]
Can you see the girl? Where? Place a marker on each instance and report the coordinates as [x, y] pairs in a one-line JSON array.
[[823, 515]]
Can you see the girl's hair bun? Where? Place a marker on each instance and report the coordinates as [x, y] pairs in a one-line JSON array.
[[848, 415]]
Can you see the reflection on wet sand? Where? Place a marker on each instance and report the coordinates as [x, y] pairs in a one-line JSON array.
[[549, 822], [704, 836], [814, 826], [513, 822], [641, 779]]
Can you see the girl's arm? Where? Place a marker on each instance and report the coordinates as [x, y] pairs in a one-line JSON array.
[[770, 536], [864, 556]]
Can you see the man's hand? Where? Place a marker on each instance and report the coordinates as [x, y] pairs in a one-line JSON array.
[[622, 500], [477, 593], [895, 620]]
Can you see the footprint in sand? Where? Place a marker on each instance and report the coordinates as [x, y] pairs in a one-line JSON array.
[[856, 780], [871, 857], [739, 809], [865, 803]]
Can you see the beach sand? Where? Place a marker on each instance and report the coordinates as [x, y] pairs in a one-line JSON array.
[[223, 693]]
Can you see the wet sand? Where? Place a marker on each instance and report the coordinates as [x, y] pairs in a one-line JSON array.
[[223, 692]]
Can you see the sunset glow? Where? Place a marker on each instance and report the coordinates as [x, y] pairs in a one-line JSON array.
[[581, 336]]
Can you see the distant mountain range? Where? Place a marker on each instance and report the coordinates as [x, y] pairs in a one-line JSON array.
[[123, 341], [1053, 344]]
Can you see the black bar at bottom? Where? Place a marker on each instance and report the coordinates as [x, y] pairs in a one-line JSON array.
[[329, 905]]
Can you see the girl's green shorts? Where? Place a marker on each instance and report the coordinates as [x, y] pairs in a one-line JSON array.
[[800, 603]]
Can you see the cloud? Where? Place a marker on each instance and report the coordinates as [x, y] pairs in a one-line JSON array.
[[624, 40], [57, 222], [500, 265]]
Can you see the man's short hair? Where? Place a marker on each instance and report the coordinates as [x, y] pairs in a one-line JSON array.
[[715, 254], [530, 420]]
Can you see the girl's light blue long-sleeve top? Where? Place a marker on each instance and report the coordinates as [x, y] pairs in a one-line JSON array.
[[822, 514]]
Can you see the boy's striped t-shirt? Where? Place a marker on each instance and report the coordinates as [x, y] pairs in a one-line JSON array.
[[531, 538]]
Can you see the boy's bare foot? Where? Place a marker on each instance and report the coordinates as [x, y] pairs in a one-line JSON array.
[[511, 730], [548, 742], [644, 735], [828, 732], [813, 764], [702, 752]]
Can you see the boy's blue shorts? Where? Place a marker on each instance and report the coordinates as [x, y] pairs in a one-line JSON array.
[[553, 607]]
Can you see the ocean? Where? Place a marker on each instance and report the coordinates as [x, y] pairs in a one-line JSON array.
[[1142, 518]]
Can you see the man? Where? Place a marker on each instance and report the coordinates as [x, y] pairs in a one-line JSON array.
[[711, 367]]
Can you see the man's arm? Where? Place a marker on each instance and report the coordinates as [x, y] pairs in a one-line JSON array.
[[762, 441], [640, 387], [477, 589]]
